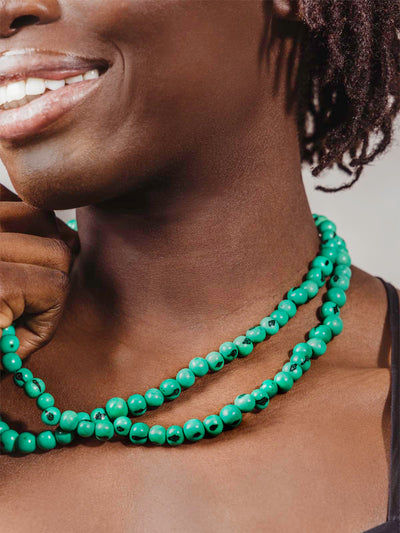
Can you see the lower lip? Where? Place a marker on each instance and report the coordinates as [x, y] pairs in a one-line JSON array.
[[30, 119]]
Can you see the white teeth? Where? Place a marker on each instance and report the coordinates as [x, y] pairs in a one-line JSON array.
[[74, 79], [91, 75], [35, 86], [53, 85], [3, 95], [15, 91]]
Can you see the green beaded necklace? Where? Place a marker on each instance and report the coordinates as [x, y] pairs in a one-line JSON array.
[[333, 260]]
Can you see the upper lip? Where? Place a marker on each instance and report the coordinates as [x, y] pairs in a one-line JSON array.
[[18, 65]]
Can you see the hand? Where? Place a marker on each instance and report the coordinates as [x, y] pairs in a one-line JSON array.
[[36, 255]]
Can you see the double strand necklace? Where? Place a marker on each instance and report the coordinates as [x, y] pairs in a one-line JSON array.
[[115, 417]]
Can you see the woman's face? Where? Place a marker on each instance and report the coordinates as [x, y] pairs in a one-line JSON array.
[[179, 71]]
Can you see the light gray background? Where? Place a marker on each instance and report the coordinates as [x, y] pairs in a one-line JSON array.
[[367, 216]]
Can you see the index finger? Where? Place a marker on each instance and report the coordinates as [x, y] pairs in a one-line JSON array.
[[8, 196]]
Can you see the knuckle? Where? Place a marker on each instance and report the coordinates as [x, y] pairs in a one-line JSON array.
[[60, 247], [62, 281]]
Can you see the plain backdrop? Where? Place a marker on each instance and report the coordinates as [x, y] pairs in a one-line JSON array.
[[367, 215]]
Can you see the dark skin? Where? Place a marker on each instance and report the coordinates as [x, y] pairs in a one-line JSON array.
[[193, 222]]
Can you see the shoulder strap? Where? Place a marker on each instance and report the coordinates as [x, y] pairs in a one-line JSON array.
[[394, 484]]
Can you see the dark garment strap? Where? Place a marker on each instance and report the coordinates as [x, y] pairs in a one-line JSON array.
[[394, 482]]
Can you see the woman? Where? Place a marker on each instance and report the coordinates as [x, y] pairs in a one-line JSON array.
[[178, 133]]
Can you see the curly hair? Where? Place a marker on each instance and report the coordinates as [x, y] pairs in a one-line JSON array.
[[349, 88]]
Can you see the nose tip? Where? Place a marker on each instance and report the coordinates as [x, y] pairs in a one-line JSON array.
[[18, 14]]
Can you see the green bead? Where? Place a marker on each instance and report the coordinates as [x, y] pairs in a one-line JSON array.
[[318, 346], [199, 366], [270, 325], [137, 405], [46, 440], [343, 258], [98, 414], [327, 225], [338, 296], [327, 235], [116, 407], [310, 287], [213, 425], [175, 435], [9, 343], [157, 434], [341, 243], [342, 282], [215, 361], [244, 345], [170, 389], [293, 369], [288, 306], [51, 416], [284, 381], [64, 437], [9, 440], [322, 262], [34, 387], [245, 402], [261, 398], [22, 376], [229, 351], [303, 348], [138, 433], [316, 275], [318, 219], [26, 442], [193, 429], [11, 362], [82, 415], [321, 332], [69, 420], [85, 428], [104, 430], [301, 360], [335, 323], [3, 426], [122, 425], [186, 378], [231, 415], [154, 398], [329, 308], [256, 334], [343, 270], [330, 243], [270, 387], [297, 295], [280, 316], [45, 400], [329, 253], [73, 224], [8, 331]]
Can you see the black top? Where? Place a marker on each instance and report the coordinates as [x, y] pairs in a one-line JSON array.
[[392, 524]]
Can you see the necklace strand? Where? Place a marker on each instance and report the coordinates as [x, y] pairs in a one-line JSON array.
[[104, 423]]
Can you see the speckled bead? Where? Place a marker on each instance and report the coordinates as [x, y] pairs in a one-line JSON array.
[[199, 366], [186, 378], [34, 387], [338, 296], [284, 381], [193, 429], [99, 413], [318, 346], [256, 334], [22, 376], [157, 434], [304, 349], [270, 387], [46, 440], [342, 258], [26, 442], [69, 420], [138, 433], [335, 323], [315, 274], [213, 425], [328, 308], [293, 369], [288, 306], [229, 351], [310, 287], [322, 332], [343, 270], [11, 362], [136, 404], [9, 440], [154, 398], [116, 407], [331, 242], [231, 415], [215, 361], [280, 316], [244, 345], [270, 325], [122, 425], [9, 343], [297, 295], [170, 389], [51, 416], [104, 430], [342, 282], [85, 428], [245, 402], [175, 435], [45, 400], [322, 262], [261, 398], [64, 437]]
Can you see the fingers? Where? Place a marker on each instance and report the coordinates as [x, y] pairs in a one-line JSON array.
[[68, 235], [18, 217], [8, 196]]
